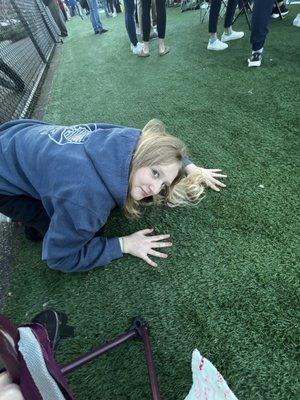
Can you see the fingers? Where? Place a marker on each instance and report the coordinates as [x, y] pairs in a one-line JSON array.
[[151, 243], [158, 254], [155, 254], [146, 231], [213, 185], [160, 245], [154, 238], [215, 172], [212, 177], [157, 238], [150, 262], [221, 184]]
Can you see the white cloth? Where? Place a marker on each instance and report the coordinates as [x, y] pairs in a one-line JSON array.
[[33, 356], [208, 383]]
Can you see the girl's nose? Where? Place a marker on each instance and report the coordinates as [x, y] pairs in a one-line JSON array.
[[155, 187]]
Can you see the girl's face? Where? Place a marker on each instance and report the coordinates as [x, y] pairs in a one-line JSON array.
[[149, 181]]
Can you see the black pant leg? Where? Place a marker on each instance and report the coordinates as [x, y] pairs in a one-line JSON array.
[[27, 210], [161, 18]]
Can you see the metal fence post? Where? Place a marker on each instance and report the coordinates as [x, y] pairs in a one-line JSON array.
[[28, 29]]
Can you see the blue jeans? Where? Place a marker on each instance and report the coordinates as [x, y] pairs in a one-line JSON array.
[[262, 10], [104, 5], [129, 9], [94, 15]]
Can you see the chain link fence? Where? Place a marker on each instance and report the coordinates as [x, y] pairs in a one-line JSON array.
[[28, 36]]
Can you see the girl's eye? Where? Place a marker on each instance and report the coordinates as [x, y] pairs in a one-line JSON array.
[[155, 173]]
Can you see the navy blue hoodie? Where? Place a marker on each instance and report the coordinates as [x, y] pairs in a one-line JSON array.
[[80, 173]]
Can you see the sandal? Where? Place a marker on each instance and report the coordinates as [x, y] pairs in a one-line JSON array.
[[166, 51], [143, 54]]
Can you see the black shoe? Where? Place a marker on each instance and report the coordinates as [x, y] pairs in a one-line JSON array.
[[275, 12], [103, 31], [255, 59], [55, 323], [283, 9]]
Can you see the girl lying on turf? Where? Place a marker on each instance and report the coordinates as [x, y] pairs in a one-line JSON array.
[[62, 182]]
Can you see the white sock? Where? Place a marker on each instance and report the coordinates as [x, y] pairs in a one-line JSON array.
[[258, 51]]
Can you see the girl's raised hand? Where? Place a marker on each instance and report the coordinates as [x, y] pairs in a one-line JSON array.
[[210, 176]]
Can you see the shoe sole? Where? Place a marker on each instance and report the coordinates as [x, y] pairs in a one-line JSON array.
[[254, 63], [167, 50], [229, 38], [214, 49], [142, 54]]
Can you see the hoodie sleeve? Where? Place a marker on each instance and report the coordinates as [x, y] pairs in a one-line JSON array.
[[70, 244]]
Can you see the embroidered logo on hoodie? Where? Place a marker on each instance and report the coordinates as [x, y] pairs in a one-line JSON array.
[[76, 134]]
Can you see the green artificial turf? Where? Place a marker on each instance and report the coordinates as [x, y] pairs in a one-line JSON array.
[[230, 286]]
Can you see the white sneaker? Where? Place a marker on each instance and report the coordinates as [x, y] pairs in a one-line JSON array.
[[138, 48], [296, 21], [138, 44], [232, 36], [216, 45], [204, 5]]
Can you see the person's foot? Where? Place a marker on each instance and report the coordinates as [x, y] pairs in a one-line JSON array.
[[216, 45], [296, 21], [137, 49], [231, 36], [283, 11], [164, 51], [143, 53], [103, 31], [255, 59]]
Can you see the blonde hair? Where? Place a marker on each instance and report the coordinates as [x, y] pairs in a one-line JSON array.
[[157, 147]]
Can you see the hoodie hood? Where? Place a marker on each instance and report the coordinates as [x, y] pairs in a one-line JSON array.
[[111, 156]]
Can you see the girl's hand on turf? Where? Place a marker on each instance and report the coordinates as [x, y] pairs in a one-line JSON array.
[[210, 176], [140, 245]]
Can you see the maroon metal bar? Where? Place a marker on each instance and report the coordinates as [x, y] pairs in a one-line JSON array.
[[138, 330], [150, 363], [84, 359]]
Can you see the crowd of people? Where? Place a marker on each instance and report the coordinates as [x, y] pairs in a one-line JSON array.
[[262, 11], [147, 19]]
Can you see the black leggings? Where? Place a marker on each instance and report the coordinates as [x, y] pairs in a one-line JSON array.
[[31, 213], [215, 7], [27, 210], [161, 18]]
